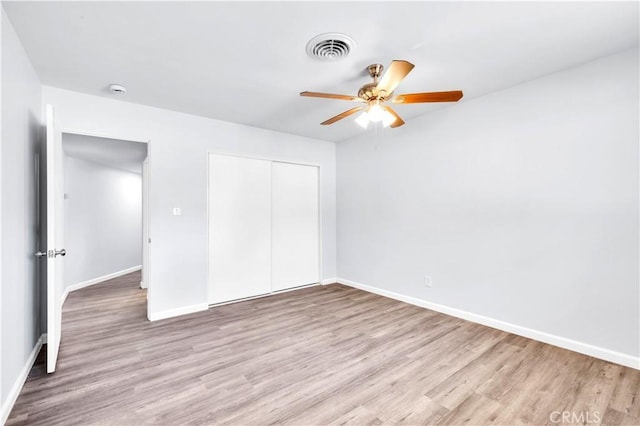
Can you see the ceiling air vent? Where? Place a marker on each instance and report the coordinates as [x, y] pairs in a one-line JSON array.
[[330, 46]]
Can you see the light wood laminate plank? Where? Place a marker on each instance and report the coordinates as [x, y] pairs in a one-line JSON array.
[[314, 356]]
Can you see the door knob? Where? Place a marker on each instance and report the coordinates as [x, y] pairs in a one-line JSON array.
[[51, 253]]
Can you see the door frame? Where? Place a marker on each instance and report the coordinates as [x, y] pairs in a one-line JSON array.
[[320, 215], [144, 279], [146, 192]]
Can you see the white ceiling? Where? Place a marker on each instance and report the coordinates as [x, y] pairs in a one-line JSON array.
[[114, 153], [245, 62]]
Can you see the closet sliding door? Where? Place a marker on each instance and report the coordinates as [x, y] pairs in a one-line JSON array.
[[295, 237], [264, 227], [239, 228]]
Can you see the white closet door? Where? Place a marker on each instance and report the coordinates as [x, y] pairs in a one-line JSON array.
[[239, 228], [295, 250]]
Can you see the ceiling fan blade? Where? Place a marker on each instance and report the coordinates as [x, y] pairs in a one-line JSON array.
[[417, 98], [398, 122], [396, 72], [341, 116], [330, 96]]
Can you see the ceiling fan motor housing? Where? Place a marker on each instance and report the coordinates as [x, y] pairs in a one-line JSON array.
[[368, 92]]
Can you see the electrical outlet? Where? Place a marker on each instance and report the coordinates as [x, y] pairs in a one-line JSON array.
[[427, 281]]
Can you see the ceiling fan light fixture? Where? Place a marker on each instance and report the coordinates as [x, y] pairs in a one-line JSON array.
[[363, 120], [387, 118], [375, 112]]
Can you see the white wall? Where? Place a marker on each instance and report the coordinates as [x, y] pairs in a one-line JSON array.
[[21, 130], [103, 220], [522, 205], [178, 177]]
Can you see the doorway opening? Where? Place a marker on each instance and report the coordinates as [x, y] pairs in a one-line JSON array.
[[107, 178], [105, 210]]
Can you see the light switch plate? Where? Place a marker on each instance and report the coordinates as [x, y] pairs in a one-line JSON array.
[[427, 281], [176, 211]]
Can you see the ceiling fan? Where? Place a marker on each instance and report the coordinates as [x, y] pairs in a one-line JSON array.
[[375, 94]]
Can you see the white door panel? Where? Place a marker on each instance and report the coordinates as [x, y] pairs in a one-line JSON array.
[[240, 227], [55, 238], [295, 226]]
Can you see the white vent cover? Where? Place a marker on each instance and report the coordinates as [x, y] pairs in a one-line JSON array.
[[330, 46]]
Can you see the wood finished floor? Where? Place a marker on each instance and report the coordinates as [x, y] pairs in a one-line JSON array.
[[320, 355]]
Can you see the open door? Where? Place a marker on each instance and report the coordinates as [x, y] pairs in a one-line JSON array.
[[55, 238]]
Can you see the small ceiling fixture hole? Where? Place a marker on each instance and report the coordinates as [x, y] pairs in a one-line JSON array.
[[330, 46], [117, 89]]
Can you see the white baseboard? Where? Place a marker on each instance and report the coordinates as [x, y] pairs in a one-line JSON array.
[[562, 342], [7, 406], [329, 281], [170, 313], [98, 280]]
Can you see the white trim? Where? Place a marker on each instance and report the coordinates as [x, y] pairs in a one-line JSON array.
[[562, 342], [244, 299], [20, 380], [170, 313], [320, 226], [326, 281], [103, 135], [98, 280], [261, 157], [286, 290], [144, 277], [260, 296]]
